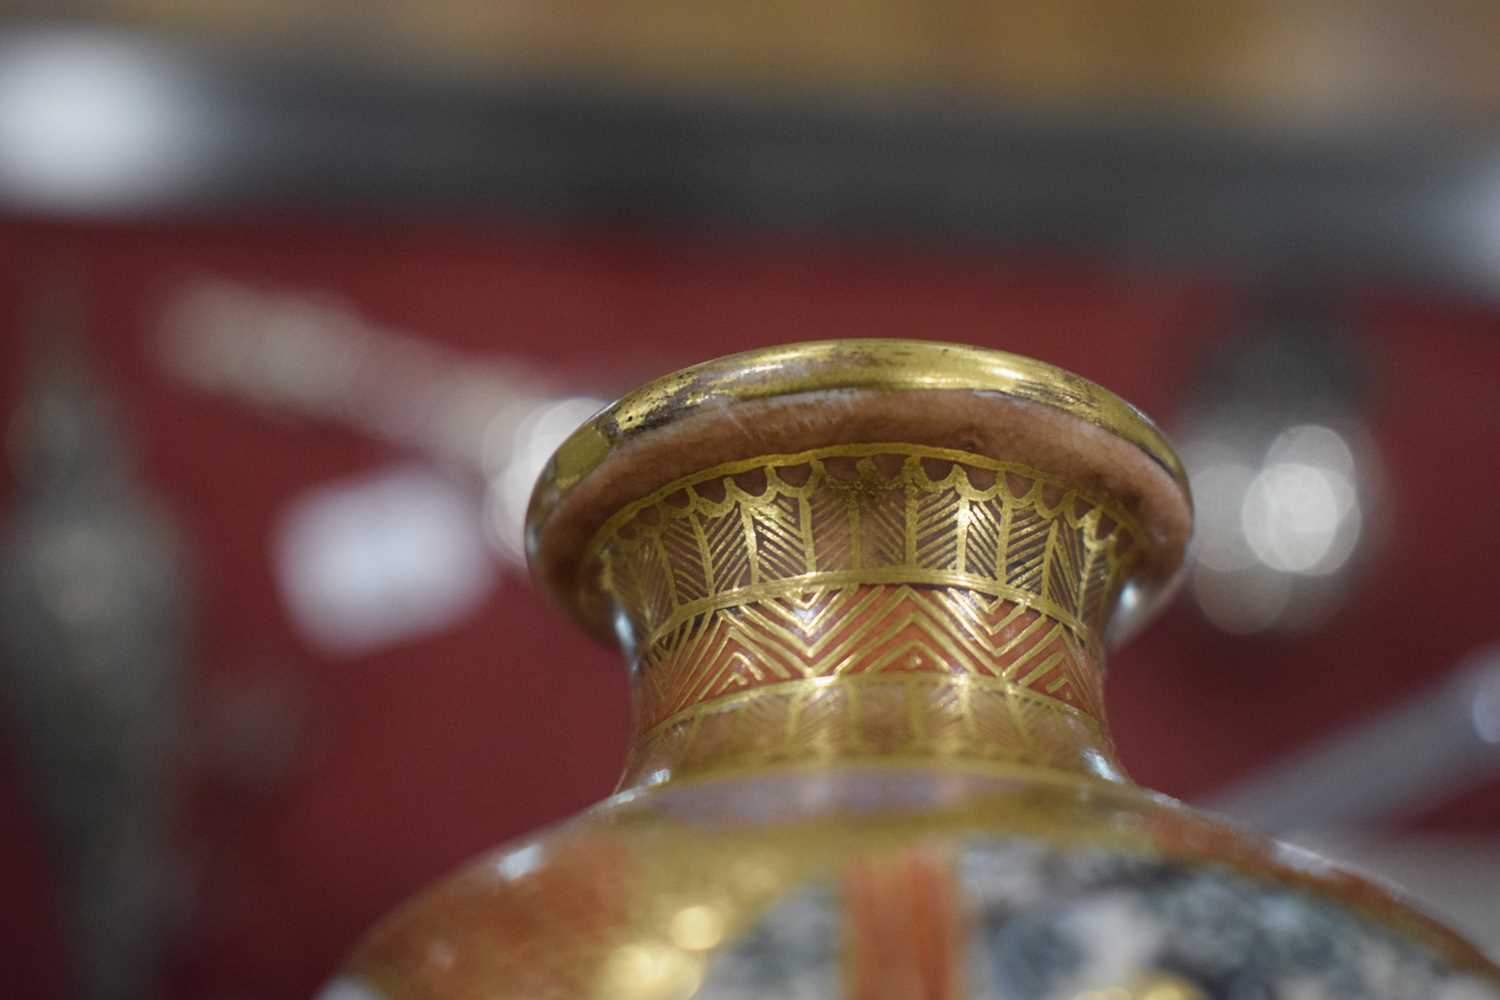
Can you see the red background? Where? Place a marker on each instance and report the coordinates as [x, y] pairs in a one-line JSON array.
[[412, 758]]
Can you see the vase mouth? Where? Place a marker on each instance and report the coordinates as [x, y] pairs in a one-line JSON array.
[[786, 399]]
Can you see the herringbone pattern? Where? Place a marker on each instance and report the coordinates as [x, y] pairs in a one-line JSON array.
[[787, 525], [874, 599], [864, 630]]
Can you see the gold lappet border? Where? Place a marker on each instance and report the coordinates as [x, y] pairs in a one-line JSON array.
[[782, 525], [985, 583]]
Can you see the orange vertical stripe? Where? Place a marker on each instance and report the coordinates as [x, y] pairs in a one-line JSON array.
[[904, 927]]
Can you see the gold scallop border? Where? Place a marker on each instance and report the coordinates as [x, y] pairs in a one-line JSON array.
[[1102, 553]]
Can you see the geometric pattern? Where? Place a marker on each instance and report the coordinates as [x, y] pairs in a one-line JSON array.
[[863, 631], [871, 599], [787, 524]]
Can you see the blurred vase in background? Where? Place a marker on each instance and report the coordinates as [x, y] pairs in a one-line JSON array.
[[93, 612]]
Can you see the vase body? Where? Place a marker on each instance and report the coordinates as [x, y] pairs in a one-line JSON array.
[[866, 602]]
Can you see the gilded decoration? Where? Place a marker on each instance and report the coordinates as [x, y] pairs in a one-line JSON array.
[[836, 365], [929, 583], [886, 661]]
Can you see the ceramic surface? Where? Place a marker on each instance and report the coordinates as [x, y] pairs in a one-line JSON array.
[[870, 756]]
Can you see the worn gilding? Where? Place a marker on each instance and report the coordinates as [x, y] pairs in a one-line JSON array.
[[832, 365]]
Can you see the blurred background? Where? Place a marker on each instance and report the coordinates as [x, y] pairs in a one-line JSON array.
[[296, 298]]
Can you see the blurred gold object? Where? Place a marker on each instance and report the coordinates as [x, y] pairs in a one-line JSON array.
[[864, 588], [1311, 60]]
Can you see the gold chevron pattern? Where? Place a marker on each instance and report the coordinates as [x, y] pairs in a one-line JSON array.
[[873, 596], [789, 524], [866, 630], [897, 716]]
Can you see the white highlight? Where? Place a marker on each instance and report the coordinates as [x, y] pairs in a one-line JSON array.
[[383, 558], [83, 120], [515, 452], [1270, 525], [519, 863], [1484, 710], [1218, 493], [1290, 516], [348, 989], [1301, 513]]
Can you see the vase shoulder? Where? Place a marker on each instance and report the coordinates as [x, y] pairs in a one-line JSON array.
[[819, 884]]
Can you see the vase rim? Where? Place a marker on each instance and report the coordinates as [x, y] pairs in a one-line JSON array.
[[847, 368]]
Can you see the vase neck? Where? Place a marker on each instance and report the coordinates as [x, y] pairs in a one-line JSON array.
[[867, 604]]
